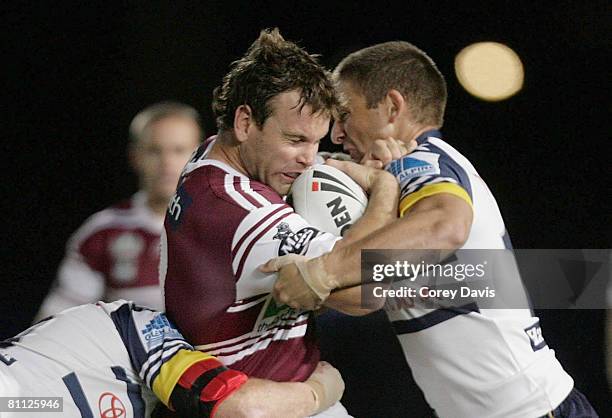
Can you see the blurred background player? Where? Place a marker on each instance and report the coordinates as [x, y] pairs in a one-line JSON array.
[[115, 253], [117, 359]]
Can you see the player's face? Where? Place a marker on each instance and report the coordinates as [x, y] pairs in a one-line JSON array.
[[286, 144], [162, 152], [359, 126]]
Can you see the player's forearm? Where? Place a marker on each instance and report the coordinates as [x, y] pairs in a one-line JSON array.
[[437, 228], [259, 398], [349, 301], [381, 210]]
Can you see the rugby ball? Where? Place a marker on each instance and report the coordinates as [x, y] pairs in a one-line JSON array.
[[328, 199]]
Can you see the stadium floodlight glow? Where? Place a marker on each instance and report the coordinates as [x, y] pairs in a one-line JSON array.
[[489, 70]]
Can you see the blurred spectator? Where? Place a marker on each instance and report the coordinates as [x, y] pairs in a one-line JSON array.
[[115, 253]]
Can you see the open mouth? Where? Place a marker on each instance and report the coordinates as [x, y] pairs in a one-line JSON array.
[[290, 176]]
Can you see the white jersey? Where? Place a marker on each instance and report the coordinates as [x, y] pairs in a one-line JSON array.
[[113, 255], [103, 360], [472, 362]]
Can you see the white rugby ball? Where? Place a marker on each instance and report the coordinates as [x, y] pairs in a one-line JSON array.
[[328, 199]]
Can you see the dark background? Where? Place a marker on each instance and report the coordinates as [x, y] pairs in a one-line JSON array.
[[78, 74]]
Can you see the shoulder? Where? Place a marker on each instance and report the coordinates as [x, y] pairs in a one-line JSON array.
[[231, 186], [128, 214], [432, 157]]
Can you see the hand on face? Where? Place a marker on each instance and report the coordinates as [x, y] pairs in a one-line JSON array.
[[383, 151], [364, 175]]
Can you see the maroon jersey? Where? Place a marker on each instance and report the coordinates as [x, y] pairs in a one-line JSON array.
[[113, 255], [220, 227]]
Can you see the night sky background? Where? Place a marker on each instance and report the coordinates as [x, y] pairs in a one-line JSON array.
[[74, 76]]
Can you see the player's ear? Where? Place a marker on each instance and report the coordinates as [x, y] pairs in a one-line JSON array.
[[243, 122], [395, 103]]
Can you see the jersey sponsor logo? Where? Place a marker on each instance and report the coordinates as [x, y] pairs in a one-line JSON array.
[[6, 359], [536, 338], [408, 168], [340, 214], [177, 207], [110, 406], [158, 329], [125, 251], [273, 315], [293, 242]]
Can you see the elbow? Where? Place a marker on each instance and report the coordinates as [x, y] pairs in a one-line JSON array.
[[451, 233], [371, 305]]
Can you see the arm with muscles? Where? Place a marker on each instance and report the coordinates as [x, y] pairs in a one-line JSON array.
[[440, 221], [196, 384], [206, 388], [259, 398], [383, 192], [382, 210]]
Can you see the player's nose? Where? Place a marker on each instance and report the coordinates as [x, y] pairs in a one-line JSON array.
[[306, 159], [307, 155], [338, 135]]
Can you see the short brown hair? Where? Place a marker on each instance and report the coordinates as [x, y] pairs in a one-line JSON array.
[[401, 66], [159, 111], [272, 66]]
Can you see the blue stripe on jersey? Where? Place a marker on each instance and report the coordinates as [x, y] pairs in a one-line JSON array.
[[414, 173], [163, 360], [159, 362], [133, 391], [507, 241], [430, 319], [78, 396], [450, 168], [126, 327], [423, 137]]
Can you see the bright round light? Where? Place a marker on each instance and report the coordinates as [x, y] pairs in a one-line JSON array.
[[489, 70]]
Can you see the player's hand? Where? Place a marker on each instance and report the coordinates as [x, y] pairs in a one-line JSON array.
[[290, 287], [301, 283], [364, 176], [383, 151], [275, 264], [327, 386]]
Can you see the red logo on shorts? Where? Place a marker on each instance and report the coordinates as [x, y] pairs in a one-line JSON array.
[[110, 406]]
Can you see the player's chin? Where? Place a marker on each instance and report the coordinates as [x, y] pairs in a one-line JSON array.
[[282, 184]]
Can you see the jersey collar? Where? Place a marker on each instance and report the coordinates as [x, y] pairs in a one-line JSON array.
[[423, 137]]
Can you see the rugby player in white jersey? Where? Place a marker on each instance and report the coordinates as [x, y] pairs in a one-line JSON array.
[[228, 216], [115, 253], [469, 362], [118, 359]]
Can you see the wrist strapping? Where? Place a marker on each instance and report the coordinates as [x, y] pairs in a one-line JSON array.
[[316, 277], [203, 386]]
